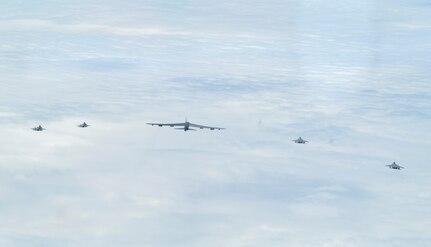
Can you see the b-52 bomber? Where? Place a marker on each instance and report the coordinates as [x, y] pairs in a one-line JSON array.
[[395, 166], [84, 125], [38, 128], [186, 126], [300, 141]]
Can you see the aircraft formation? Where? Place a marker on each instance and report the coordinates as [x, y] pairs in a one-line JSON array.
[[40, 128], [187, 126]]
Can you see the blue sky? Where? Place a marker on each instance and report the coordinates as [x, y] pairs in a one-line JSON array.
[[353, 78]]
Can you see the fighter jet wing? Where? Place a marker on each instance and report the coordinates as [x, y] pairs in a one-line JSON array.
[[299, 140], [167, 124], [205, 127]]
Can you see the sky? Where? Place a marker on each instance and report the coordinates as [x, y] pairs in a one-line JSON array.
[[351, 77]]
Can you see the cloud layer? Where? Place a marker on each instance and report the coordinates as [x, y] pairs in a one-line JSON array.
[[352, 78]]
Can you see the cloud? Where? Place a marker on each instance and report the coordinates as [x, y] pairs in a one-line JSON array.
[[123, 183], [412, 26], [50, 26]]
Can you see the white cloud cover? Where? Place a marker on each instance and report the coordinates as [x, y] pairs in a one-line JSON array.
[[50, 26], [342, 76]]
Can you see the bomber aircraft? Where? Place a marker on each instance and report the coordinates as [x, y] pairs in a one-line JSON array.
[[300, 141], [185, 126], [38, 128], [395, 166], [83, 125]]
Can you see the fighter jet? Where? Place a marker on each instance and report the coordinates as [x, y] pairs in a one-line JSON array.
[[38, 128], [185, 126], [300, 141], [395, 166], [83, 125]]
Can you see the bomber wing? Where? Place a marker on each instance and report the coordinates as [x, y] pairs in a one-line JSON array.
[[205, 127], [166, 124]]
